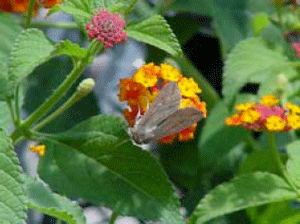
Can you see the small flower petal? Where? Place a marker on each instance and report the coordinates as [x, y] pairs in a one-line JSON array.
[[169, 73], [188, 87], [41, 149], [147, 75], [269, 100]]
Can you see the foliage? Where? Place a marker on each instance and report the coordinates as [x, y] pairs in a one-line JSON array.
[[224, 174]]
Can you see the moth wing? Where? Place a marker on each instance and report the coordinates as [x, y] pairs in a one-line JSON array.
[[165, 104], [180, 120]]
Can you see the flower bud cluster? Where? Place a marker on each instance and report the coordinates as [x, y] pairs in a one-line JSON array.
[[108, 28]]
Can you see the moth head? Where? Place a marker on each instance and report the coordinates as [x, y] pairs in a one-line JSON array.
[[139, 137]]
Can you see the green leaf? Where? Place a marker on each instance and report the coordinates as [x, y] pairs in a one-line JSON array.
[[230, 21], [40, 198], [10, 29], [12, 206], [119, 6], [4, 90], [69, 48], [282, 139], [130, 4], [214, 128], [293, 163], [31, 49], [5, 119], [192, 6], [76, 9], [57, 68], [245, 191], [251, 61], [96, 161], [260, 22], [279, 213], [155, 31], [259, 161]]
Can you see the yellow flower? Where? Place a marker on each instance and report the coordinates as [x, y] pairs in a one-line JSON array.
[[169, 73], [244, 106], [293, 121], [293, 108], [147, 75], [41, 149], [250, 116], [188, 87], [186, 103], [269, 100], [275, 123]]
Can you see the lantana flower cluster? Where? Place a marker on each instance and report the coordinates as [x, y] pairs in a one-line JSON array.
[[108, 28], [268, 115], [21, 6], [140, 91]]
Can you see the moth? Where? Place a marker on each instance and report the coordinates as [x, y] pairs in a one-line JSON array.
[[164, 116]]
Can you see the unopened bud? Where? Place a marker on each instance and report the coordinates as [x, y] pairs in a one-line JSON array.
[[282, 81], [85, 87]]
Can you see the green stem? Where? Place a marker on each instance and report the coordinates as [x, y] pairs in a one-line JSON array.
[[252, 142], [276, 158], [278, 163], [55, 25], [11, 109], [60, 91], [71, 101], [113, 217], [17, 106], [209, 94], [29, 13]]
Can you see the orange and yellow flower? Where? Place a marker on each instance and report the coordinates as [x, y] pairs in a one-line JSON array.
[[140, 91], [21, 6], [267, 115]]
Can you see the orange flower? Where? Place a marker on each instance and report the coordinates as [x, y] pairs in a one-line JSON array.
[[22, 5], [147, 75], [188, 133], [51, 3], [235, 119], [144, 86], [131, 90], [6, 6]]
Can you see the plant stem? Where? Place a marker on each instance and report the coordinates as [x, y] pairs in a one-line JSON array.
[[17, 106], [252, 142], [209, 94], [71, 101], [59, 92], [29, 13], [113, 217], [11, 109], [54, 25], [276, 158], [278, 163]]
